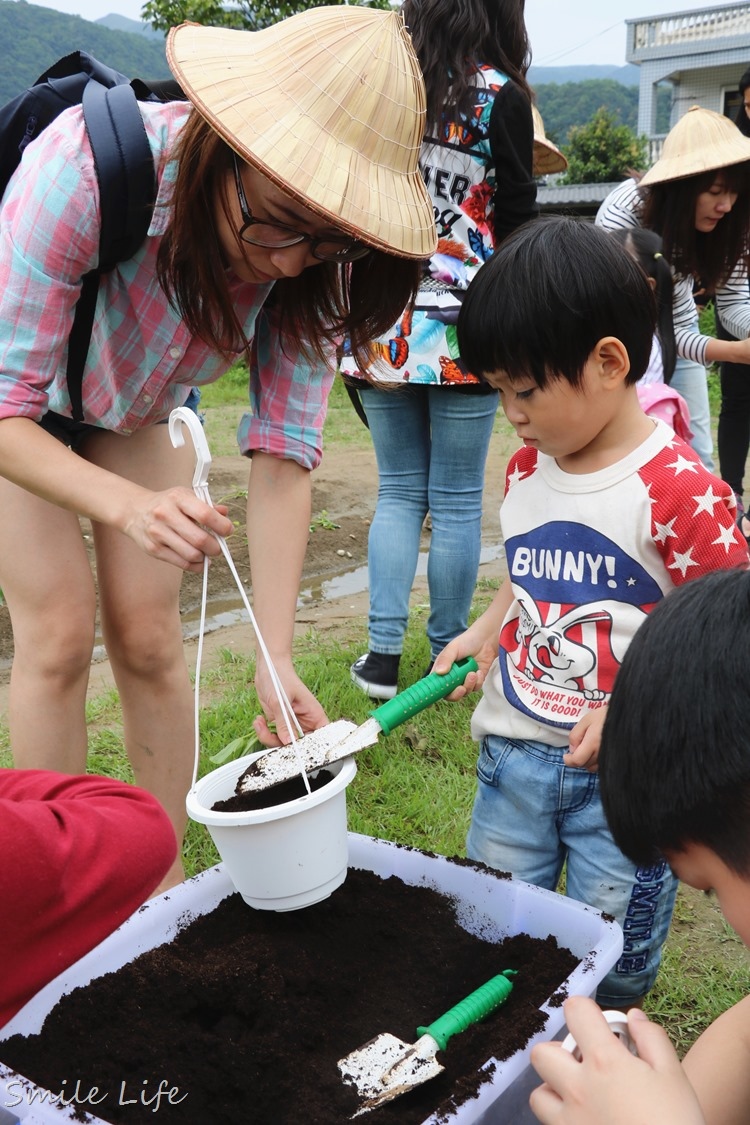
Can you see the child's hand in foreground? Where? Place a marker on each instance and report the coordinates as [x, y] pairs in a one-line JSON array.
[[460, 648], [610, 1085], [585, 740]]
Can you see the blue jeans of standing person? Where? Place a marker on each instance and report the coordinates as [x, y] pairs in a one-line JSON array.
[[431, 446], [691, 381], [532, 814]]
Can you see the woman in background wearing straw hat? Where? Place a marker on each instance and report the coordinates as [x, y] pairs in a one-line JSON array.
[[430, 418], [290, 211], [733, 431], [547, 157], [697, 197]]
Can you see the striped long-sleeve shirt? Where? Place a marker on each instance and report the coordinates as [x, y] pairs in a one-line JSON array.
[[623, 208]]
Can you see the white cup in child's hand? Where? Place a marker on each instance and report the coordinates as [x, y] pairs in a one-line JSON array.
[[618, 1023]]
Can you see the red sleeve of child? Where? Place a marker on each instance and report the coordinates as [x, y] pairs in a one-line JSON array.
[[520, 465], [693, 516], [78, 854]]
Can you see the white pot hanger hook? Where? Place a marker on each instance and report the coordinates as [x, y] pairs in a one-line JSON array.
[[183, 416]]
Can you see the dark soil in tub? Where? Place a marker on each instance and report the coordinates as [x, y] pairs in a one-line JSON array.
[[244, 1015]]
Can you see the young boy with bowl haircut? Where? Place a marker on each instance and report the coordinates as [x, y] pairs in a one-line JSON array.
[[605, 513], [674, 770]]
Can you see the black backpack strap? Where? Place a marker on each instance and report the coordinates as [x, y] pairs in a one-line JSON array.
[[79, 341], [127, 192], [124, 169], [352, 389]]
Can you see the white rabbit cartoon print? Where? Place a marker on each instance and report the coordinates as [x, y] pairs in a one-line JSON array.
[[578, 598]]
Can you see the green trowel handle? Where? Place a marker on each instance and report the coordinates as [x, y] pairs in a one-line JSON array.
[[470, 1010], [421, 694]]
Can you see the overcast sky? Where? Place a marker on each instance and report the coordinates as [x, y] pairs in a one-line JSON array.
[[562, 32]]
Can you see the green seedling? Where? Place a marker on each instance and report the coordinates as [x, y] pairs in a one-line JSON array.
[[239, 748], [323, 521]]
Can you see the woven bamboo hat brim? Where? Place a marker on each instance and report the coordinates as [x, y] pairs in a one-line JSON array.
[[547, 157], [330, 105], [700, 141]]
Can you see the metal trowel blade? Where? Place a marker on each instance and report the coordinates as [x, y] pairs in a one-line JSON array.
[[387, 1067], [312, 752]]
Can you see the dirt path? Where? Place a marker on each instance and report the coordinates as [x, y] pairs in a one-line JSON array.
[[344, 494]]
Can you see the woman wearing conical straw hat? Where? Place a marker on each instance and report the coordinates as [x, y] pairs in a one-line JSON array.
[[697, 197], [290, 210]]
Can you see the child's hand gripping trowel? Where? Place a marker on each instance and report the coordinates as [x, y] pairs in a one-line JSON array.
[[386, 1067], [340, 739]]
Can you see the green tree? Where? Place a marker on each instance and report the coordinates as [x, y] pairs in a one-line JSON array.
[[246, 14], [602, 151], [565, 104]]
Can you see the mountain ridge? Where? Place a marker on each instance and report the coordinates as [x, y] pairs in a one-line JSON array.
[[36, 37]]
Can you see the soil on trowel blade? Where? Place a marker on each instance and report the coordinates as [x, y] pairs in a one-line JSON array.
[[243, 1016]]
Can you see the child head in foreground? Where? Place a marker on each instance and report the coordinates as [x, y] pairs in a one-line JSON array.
[[674, 764], [555, 291], [674, 768]]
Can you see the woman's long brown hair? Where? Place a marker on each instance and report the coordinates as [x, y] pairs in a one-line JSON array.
[[448, 34], [706, 256], [361, 300]]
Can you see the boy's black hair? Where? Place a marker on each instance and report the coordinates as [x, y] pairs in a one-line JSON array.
[[674, 764], [554, 289]]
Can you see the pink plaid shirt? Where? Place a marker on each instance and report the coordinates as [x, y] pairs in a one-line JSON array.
[[142, 358]]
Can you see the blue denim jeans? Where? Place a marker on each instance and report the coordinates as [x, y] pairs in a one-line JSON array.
[[431, 446], [532, 814], [691, 381]]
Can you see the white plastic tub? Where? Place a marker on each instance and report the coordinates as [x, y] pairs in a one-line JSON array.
[[485, 903]]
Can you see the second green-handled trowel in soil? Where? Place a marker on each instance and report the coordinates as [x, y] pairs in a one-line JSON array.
[[387, 1067], [340, 739]]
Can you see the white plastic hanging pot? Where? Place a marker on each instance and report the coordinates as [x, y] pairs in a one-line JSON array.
[[283, 857]]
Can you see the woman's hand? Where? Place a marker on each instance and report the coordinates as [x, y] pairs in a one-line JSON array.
[[609, 1086], [177, 527], [309, 712]]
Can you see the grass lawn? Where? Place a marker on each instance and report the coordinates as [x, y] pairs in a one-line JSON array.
[[416, 786]]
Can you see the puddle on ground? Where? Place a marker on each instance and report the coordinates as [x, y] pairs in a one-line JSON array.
[[345, 583], [221, 612]]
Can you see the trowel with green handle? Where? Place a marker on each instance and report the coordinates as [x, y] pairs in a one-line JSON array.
[[340, 739], [386, 1066]]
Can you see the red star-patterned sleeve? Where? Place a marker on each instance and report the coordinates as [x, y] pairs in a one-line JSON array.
[[693, 516], [520, 465]]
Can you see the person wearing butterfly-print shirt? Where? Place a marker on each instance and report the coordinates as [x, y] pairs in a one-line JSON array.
[[431, 438]]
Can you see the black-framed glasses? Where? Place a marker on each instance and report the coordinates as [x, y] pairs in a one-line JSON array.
[[260, 232]]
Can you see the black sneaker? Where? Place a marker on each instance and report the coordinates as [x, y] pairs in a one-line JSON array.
[[377, 674]]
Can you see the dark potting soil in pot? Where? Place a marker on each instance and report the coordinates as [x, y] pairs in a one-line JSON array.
[[245, 1013], [290, 790]]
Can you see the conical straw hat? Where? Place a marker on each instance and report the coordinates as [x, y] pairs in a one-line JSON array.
[[547, 157], [330, 105], [700, 141]]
